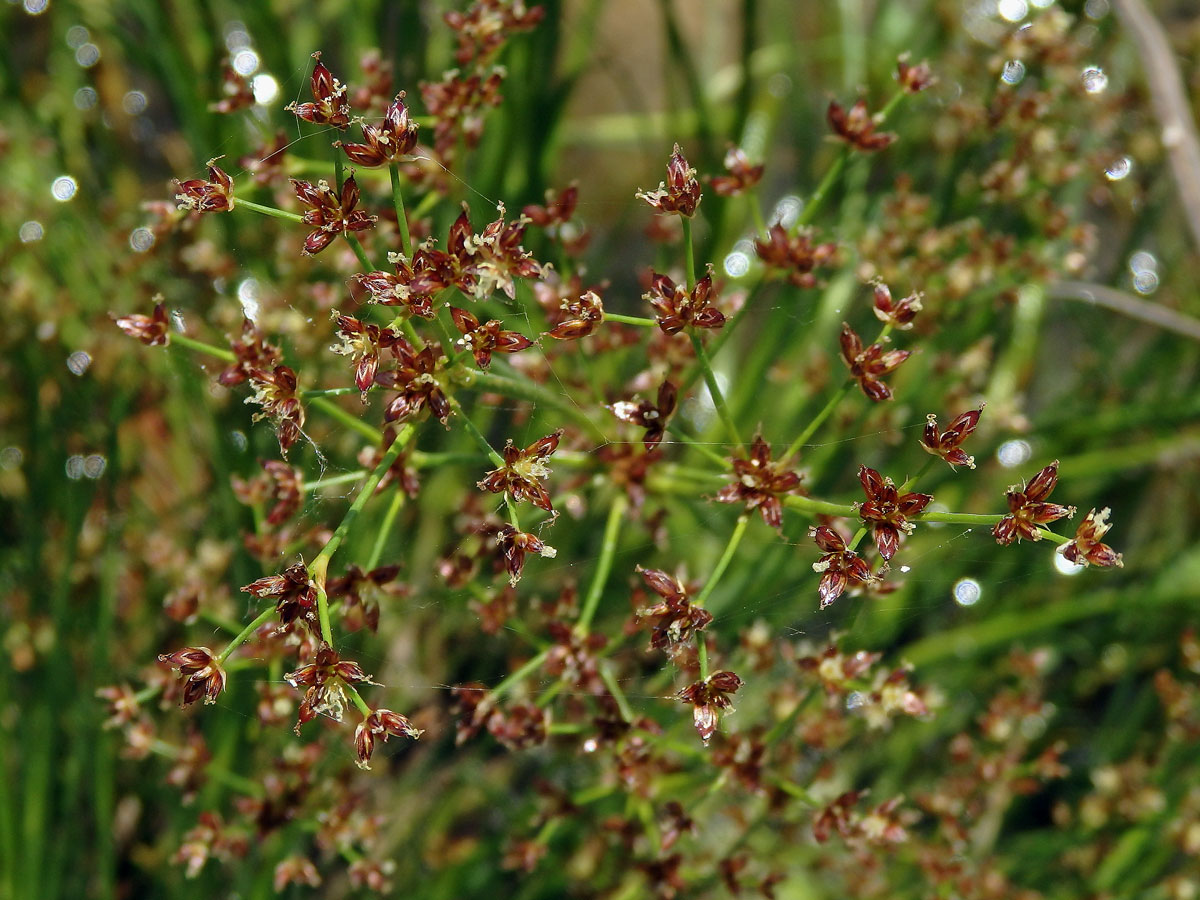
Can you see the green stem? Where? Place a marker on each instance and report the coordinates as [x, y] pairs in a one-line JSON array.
[[527, 390], [689, 254], [354, 423], [328, 392], [640, 321], [514, 678], [268, 211], [702, 654], [818, 420], [244, 634], [357, 699], [686, 438], [726, 558], [385, 529], [357, 247], [401, 218], [183, 340], [612, 529], [333, 481], [614, 688], [477, 435], [921, 472], [714, 389]]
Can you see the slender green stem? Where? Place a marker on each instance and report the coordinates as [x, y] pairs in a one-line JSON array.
[[702, 654], [686, 438], [354, 423], [190, 343], [612, 529], [614, 688], [245, 633], [401, 218], [514, 678], [760, 224], [357, 699], [689, 253], [357, 247], [714, 389], [819, 419], [640, 321], [477, 435], [726, 558], [385, 529], [328, 392], [527, 390], [333, 480], [268, 211], [913, 479]]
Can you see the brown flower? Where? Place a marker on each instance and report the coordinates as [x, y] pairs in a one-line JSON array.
[[151, 330], [674, 618], [330, 213], [457, 104], [295, 870], [386, 143], [280, 484], [203, 674], [236, 90], [558, 209], [360, 593], [742, 176], [486, 339], [678, 308], [681, 192], [581, 317], [839, 567], [363, 342], [869, 365], [383, 723], [758, 483], [514, 545], [1086, 548], [1028, 509], [277, 393], [887, 511], [709, 698], [323, 681], [294, 592], [413, 377], [523, 470], [913, 78], [650, 416], [214, 195], [251, 354], [797, 254], [857, 127], [897, 313], [412, 285], [948, 444], [329, 106]]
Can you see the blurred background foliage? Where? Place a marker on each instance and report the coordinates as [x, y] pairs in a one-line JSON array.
[[116, 460]]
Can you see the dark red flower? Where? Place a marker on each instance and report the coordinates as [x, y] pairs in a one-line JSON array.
[[857, 127], [214, 195], [558, 209], [363, 343], [581, 317], [913, 78], [486, 25], [839, 567], [457, 104], [869, 365], [678, 308], [386, 143], [382, 723], [236, 90], [202, 673], [650, 416], [279, 484], [947, 445], [1086, 548], [1028, 509], [277, 393], [251, 354], [514, 545], [151, 330], [742, 176], [486, 339], [329, 106], [897, 313], [797, 255], [681, 191], [412, 286], [330, 213], [758, 483], [887, 511], [413, 378], [709, 698], [360, 592], [323, 682], [294, 593], [523, 470], [674, 618]]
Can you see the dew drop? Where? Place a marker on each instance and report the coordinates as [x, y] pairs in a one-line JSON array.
[[265, 88], [967, 592], [11, 458], [1094, 80], [78, 362], [906, 569], [141, 239], [86, 98], [1042, 4], [1143, 261], [1118, 168], [245, 62], [1014, 71], [1013, 10], [94, 466], [1096, 9], [1145, 282], [1065, 567], [134, 103], [77, 35], [239, 440], [590, 745], [248, 294], [236, 36], [737, 264], [779, 85], [31, 231], [87, 55], [787, 210], [63, 188], [1013, 453], [36, 7], [854, 700], [74, 467]]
